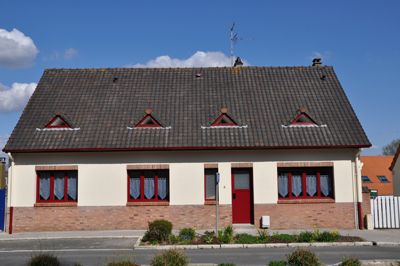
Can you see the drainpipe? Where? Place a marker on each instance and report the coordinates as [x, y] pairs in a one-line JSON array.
[[358, 190], [9, 192]]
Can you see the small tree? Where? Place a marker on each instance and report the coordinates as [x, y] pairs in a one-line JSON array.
[[391, 148]]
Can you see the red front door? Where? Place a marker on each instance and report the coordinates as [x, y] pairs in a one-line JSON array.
[[242, 204]]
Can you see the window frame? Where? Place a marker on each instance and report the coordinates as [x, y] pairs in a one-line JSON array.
[[49, 124], [207, 172], [366, 181], [318, 171], [142, 197], [52, 198]]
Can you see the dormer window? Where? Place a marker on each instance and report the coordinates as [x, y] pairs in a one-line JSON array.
[[224, 120], [58, 122], [303, 119], [148, 120]]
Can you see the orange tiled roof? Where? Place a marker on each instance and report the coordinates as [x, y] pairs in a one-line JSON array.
[[375, 166]]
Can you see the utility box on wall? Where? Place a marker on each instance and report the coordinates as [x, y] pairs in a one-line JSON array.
[[265, 221]]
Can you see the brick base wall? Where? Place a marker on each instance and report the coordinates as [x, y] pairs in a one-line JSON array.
[[366, 207], [110, 218], [307, 215], [283, 216]]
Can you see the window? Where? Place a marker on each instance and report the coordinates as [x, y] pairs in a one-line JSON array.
[[57, 122], [57, 186], [224, 120], [383, 179], [305, 183], [148, 185], [366, 179], [303, 119], [148, 121], [210, 176]]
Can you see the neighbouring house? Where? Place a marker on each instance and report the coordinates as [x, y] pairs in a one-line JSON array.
[[376, 176], [116, 148], [395, 168]]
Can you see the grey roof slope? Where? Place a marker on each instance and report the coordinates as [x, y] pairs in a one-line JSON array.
[[260, 99]]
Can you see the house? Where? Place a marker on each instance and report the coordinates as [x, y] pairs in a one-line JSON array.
[[395, 168], [375, 175], [116, 148]]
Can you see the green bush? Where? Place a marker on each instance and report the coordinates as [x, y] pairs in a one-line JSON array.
[[159, 231], [173, 239], [303, 257], [226, 264], [306, 237], [283, 238], [350, 262], [246, 239], [328, 237], [277, 263], [170, 258], [44, 260], [263, 236], [227, 235], [208, 237], [187, 234], [122, 263]]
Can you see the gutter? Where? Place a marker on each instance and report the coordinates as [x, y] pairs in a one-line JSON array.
[[358, 191], [9, 192]]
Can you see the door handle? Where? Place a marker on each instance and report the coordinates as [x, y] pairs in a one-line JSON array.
[[233, 195]]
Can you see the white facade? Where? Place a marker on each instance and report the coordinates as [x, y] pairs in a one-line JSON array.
[[102, 176]]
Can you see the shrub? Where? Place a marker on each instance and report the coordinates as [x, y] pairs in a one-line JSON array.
[[350, 262], [159, 231], [263, 235], [328, 237], [122, 263], [170, 257], [44, 260], [306, 237], [187, 234], [227, 235], [303, 257], [226, 264], [283, 238], [208, 237], [173, 239], [246, 239], [277, 263]]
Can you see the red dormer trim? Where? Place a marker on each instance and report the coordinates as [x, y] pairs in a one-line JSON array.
[[224, 120], [148, 121], [52, 123], [297, 121]]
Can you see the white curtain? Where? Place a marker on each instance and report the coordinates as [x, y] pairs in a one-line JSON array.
[[72, 185], [59, 185], [162, 187], [311, 185], [135, 187], [283, 185], [44, 185], [326, 188], [149, 187], [297, 187]]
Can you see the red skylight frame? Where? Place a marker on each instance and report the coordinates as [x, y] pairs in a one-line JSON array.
[[217, 122], [141, 123], [65, 125], [296, 121]]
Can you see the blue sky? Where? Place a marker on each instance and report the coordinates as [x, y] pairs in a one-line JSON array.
[[359, 38]]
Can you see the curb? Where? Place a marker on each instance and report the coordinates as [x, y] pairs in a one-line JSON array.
[[379, 243], [272, 245]]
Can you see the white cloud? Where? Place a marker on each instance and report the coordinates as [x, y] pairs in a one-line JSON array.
[[70, 53], [16, 49], [16, 97], [198, 59]]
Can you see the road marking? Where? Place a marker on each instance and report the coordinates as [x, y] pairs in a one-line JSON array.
[[65, 250]]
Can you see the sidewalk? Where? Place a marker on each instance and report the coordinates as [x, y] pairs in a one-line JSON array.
[[384, 236]]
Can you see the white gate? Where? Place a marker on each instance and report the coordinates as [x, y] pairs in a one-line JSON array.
[[386, 211]]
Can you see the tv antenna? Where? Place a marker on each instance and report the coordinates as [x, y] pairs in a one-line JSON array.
[[234, 38]]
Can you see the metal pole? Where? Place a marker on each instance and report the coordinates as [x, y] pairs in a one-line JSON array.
[[217, 179]]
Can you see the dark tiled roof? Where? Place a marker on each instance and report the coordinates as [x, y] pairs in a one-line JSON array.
[[259, 99]]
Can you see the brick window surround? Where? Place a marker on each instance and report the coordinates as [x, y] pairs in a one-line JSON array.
[[305, 183], [56, 187], [148, 187]]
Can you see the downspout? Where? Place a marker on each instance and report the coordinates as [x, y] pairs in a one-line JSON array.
[[358, 190], [9, 192]]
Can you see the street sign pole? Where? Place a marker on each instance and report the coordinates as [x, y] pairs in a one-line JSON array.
[[217, 177]]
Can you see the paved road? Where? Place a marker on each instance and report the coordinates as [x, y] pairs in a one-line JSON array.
[[94, 252]]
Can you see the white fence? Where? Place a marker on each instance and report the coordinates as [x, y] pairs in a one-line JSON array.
[[386, 211]]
